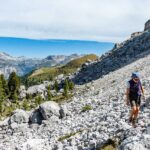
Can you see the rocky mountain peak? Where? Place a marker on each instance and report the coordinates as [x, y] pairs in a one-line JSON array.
[[6, 56], [23, 65], [121, 55], [147, 25]]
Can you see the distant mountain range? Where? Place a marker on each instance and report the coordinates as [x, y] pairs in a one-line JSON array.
[[46, 52], [23, 65]]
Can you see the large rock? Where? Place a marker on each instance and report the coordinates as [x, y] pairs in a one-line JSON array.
[[135, 34], [36, 117], [37, 89], [22, 92], [63, 111], [48, 109], [19, 116], [132, 143]]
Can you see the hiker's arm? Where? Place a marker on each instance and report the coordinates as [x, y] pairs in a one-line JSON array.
[[127, 95], [142, 89]]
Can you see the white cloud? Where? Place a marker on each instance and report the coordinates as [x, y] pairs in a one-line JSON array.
[[109, 20]]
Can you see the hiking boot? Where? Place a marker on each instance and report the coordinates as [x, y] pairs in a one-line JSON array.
[[130, 119], [134, 123]]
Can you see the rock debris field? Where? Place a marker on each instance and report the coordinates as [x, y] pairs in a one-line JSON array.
[[95, 115]]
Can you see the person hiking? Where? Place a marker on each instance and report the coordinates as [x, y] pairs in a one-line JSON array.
[[134, 92]]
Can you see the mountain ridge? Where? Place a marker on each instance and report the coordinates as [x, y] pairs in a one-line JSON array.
[[23, 65], [137, 46]]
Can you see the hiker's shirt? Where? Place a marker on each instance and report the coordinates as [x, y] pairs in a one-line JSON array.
[[135, 89]]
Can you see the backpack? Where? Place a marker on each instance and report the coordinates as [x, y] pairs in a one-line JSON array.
[[135, 88]]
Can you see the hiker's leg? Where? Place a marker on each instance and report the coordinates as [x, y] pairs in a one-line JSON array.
[[138, 103], [133, 112], [134, 116], [137, 112]]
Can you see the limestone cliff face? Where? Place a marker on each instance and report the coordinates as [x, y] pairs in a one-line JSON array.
[[147, 25], [121, 55]]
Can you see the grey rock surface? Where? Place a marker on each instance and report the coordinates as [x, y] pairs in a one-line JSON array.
[[19, 116], [48, 109]]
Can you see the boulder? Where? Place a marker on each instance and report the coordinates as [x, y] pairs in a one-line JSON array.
[[48, 109], [63, 111], [60, 77], [37, 89], [36, 117], [22, 92], [148, 129], [19, 116]]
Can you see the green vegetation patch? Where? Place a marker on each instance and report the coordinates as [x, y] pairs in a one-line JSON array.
[[111, 144], [69, 135], [87, 108], [49, 73]]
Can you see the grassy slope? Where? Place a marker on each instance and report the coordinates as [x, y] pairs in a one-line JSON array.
[[42, 74]]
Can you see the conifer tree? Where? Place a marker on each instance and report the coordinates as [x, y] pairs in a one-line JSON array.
[[38, 100], [26, 105], [1, 90], [56, 86], [1, 106], [49, 94], [71, 85], [4, 84], [1, 97], [13, 85], [66, 88]]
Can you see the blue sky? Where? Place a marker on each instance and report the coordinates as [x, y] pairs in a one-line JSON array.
[[42, 48]]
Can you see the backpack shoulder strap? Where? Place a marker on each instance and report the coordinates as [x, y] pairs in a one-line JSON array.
[[140, 84]]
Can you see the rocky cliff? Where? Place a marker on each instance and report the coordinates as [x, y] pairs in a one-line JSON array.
[[121, 55], [147, 25]]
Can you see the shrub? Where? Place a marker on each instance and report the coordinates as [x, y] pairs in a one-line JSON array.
[[66, 88], [111, 144], [1, 106], [71, 85], [49, 95], [26, 105], [29, 96], [38, 100], [69, 135], [86, 108], [56, 86]]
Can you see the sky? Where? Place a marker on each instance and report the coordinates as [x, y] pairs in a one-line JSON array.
[[92, 20], [42, 48]]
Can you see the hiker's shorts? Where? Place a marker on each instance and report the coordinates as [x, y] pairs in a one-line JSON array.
[[135, 101]]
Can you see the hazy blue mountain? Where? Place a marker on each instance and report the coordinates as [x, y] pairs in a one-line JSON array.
[[23, 65]]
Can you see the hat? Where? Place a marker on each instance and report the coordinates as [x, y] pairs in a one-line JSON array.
[[135, 75]]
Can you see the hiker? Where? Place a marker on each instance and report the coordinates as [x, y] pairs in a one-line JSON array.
[[134, 93]]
